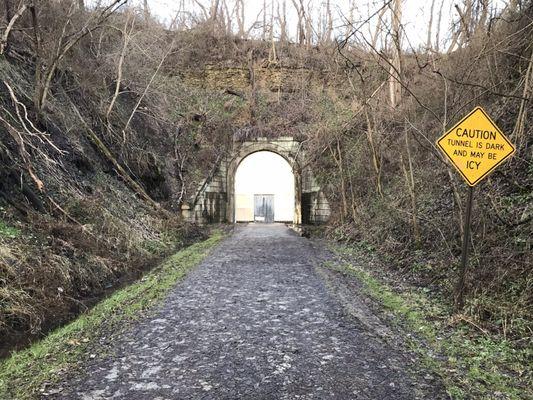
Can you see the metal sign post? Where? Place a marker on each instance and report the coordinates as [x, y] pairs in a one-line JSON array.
[[475, 146], [460, 287]]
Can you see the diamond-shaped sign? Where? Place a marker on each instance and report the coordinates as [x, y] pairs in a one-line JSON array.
[[475, 146]]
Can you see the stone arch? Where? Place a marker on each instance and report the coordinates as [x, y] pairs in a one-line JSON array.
[[215, 199], [249, 148]]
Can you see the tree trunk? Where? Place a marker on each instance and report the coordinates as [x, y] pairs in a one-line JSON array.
[[376, 160], [300, 25], [338, 162], [329, 29], [263, 36], [308, 27], [429, 45], [437, 35], [252, 99], [283, 21], [214, 10], [4, 40], [519, 128], [410, 183], [377, 31], [239, 5], [38, 60], [7, 6], [126, 36], [146, 10], [396, 62]]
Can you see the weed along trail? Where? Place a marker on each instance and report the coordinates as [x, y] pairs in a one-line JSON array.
[[256, 319]]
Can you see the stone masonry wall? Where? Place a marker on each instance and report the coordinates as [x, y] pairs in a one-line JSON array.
[[214, 201]]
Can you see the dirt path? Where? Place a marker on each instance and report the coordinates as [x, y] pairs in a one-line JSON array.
[[254, 321]]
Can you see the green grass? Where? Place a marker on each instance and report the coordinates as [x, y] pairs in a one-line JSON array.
[[24, 373], [8, 231], [471, 363]]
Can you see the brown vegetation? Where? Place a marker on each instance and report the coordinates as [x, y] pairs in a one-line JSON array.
[[111, 125]]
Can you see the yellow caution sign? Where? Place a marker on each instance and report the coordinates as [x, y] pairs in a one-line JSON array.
[[475, 146]]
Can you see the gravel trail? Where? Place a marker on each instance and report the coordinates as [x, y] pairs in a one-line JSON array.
[[256, 320]]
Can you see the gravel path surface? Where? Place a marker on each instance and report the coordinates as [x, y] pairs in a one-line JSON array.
[[254, 321]]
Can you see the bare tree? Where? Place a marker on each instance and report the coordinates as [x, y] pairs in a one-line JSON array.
[[282, 17], [374, 35], [329, 21], [308, 23], [264, 27], [351, 11], [239, 12], [213, 11], [45, 69], [300, 27], [462, 33], [4, 40], [228, 20], [437, 34], [126, 35], [271, 27], [429, 39], [395, 88], [146, 10]]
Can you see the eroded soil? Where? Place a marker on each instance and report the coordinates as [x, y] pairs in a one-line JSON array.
[[258, 319]]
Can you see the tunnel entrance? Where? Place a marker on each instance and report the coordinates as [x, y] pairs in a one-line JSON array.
[[218, 199], [264, 189]]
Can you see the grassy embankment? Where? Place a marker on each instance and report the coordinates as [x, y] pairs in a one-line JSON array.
[[25, 372], [473, 363]]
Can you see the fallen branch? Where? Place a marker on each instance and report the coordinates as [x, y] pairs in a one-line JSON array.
[[107, 153], [69, 216], [466, 319], [23, 119], [17, 136]]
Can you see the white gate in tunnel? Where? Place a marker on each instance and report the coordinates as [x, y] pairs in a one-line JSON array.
[[264, 208]]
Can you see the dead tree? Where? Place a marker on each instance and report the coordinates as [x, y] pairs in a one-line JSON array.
[[45, 69]]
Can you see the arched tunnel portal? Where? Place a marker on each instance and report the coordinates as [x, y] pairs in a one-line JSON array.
[[215, 199]]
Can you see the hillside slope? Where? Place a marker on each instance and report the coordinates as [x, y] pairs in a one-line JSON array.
[[101, 146]]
